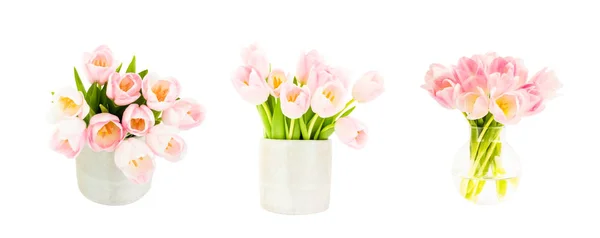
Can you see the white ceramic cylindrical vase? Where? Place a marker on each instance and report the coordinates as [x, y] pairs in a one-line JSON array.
[[102, 182], [295, 176]]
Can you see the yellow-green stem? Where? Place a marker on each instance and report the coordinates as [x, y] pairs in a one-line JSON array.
[[311, 124], [268, 112], [291, 131]]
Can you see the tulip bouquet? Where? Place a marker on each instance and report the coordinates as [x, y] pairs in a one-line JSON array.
[[308, 106], [491, 91], [136, 115]]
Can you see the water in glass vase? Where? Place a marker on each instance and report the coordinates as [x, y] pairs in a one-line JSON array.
[[489, 191], [486, 169]]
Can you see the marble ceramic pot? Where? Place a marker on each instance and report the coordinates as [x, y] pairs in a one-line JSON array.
[[102, 182], [295, 175]]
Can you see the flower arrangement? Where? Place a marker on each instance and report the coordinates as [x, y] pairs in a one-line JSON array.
[[135, 115], [491, 91], [310, 105]]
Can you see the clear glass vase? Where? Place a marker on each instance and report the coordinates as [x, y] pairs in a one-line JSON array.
[[486, 169]]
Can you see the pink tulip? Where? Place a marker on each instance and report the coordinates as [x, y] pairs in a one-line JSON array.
[[329, 99], [307, 63], [295, 100], [185, 114], [474, 104], [511, 66], [533, 102], [507, 107], [501, 83], [68, 103], [137, 119], [442, 85], [276, 78], [69, 137], [160, 92], [99, 64], [250, 85], [368, 87], [254, 57], [546, 83], [470, 74], [124, 90], [135, 160], [105, 132], [325, 74], [164, 142], [486, 59], [351, 132]]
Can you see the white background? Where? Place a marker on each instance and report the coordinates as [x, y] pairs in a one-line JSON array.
[[398, 186]]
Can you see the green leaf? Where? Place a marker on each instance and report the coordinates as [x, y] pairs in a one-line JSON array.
[[265, 120], [316, 123], [327, 131], [103, 109], [330, 120], [348, 112], [78, 82], [318, 130], [296, 133], [140, 101], [92, 97], [271, 103], [278, 122], [156, 114], [103, 98], [131, 67], [52, 93], [178, 99], [308, 115], [118, 111], [119, 68], [303, 130], [143, 73], [88, 117]]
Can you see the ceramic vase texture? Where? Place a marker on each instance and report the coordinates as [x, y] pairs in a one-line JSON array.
[[295, 176], [100, 180]]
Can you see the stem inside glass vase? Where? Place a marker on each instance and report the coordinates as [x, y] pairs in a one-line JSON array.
[[485, 152]]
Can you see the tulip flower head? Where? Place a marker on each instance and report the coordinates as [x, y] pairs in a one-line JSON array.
[[491, 91], [491, 86], [136, 115], [304, 106], [69, 137], [99, 64]]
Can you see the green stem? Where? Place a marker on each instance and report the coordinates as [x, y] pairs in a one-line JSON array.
[[303, 130], [336, 116], [311, 124], [318, 131], [291, 131], [268, 112], [266, 124], [328, 127], [489, 149], [485, 127]]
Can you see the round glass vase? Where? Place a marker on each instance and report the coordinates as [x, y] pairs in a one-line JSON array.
[[101, 181], [295, 176], [486, 169]]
